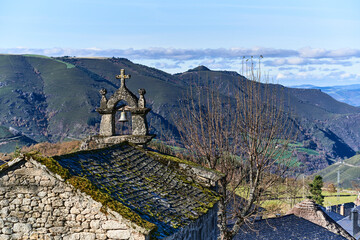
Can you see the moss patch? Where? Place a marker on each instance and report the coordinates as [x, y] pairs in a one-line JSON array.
[[105, 199], [51, 164], [174, 162], [4, 166]]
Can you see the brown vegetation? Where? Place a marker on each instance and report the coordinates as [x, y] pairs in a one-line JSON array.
[[52, 149]]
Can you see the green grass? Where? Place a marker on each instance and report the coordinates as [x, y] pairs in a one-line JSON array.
[[329, 201], [347, 173], [68, 65], [308, 151], [69, 96], [36, 55]]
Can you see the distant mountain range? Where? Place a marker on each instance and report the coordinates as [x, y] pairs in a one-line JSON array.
[[54, 99], [349, 94]]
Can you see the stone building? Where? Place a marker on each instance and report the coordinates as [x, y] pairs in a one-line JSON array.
[[305, 221], [312, 212], [119, 192]]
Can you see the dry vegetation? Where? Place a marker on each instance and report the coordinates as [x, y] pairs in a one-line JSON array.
[[52, 149]]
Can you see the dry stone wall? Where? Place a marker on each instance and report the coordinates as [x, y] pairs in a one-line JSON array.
[[35, 204]]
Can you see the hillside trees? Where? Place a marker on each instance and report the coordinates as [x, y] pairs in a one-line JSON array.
[[244, 134], [315, 190]]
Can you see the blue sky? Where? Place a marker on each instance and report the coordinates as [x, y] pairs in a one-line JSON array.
[[303, 42]]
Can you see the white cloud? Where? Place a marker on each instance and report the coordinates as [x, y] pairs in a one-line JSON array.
[[280, 76], [292, 56], [323, 53], [306, 61]]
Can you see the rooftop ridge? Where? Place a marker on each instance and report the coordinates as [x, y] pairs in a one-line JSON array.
[[311, 211]]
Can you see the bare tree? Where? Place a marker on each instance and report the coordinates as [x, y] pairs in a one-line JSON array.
[[244, 133]]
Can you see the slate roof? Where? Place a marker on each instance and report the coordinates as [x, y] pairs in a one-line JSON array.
[[333, 215], [312, 212], [347, 224], [288, 227], [157, 193], [347, 208]]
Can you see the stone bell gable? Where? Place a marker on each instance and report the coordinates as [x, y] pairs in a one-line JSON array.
[[120, 192], [136, 106]]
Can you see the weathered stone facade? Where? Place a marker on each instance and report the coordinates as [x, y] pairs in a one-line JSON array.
[[36, 204]]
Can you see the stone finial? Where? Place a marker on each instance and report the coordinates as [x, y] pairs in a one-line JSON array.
[[122, 77], [142, 102], [103, 100]]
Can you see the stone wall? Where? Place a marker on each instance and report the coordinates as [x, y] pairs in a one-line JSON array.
[[204, 228], [35, 204]]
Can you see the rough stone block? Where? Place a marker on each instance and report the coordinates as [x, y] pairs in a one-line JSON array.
[[100, 236], [4, 237], [12, 219], [42, 194], [7, 230], [17, 236], [74, 236], [56, 230], [57, 203], [118, 234], [87, 236], [4, 203], [80, 218], [95, 224], [16, 201], [22, 228], [26, 201], [74, 210], [111, 224]]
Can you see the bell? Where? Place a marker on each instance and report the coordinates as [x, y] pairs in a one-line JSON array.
[[123, 117]]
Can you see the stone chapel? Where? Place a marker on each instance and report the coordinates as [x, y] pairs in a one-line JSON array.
[[119, 190]]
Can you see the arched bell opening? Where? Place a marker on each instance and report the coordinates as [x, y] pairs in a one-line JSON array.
[[123, 119]]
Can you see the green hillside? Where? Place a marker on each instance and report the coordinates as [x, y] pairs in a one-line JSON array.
[[349, 172]]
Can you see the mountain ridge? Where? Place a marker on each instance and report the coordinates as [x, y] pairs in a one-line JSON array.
[[54, 99], [349, 94]]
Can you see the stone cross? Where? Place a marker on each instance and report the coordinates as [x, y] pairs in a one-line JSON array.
[[122, 76]]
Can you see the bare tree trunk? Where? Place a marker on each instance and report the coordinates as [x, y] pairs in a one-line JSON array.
[[222, 211], [244, 135]]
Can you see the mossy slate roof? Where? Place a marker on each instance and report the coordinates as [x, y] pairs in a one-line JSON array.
[[157, 193], [288, 227]]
